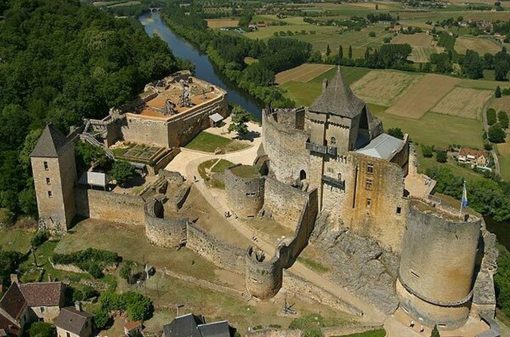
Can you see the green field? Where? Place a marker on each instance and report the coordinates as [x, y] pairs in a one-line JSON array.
[[305, 93]]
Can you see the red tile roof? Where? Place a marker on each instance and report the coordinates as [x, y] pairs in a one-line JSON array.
[[47, 294], [466, 151], [13, 302]]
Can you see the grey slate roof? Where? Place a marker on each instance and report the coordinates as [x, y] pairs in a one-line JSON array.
[[216, 329], [338, 99], [72, 320], [50, 142], [195, 326], [383, 146], [216, 117]]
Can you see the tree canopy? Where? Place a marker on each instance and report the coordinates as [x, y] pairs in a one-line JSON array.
[[60, 61]]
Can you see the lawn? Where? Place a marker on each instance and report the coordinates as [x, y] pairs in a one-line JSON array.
[[208, 142], [504, 158], [16, 239], [246, 171], [212, 172]]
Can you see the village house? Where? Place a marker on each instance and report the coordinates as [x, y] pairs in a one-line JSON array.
[[473, 157], [74, 322], [191, 325], [29, 302]]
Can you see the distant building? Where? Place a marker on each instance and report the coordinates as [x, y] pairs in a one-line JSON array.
[[473, 157], [73, 322], [24, 303], [191, 325]]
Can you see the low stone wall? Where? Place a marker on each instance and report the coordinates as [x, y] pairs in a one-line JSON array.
[[165, 232], [214, 250], [103, 205], [275, 333], [163, 161], [284, 202]]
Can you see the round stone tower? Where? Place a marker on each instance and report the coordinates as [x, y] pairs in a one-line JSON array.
[[437, 265], [244, 187]]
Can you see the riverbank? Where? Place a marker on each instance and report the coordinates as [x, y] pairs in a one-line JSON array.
[[204, 68]]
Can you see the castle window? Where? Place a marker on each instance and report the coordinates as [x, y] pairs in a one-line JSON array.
[[369, 202], [414, 273], [368, 184], [45, 165], [399, 210], [50, 195], [333, 141], [370, 168], [339, 176], [48, 182]]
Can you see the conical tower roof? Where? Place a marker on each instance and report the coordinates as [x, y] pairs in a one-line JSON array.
[[338, 99], [50, 142]]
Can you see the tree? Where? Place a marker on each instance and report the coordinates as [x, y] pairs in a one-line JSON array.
[[328, 50], [42, 329], [497, 93], [491, 116], [496, 134], [503, 119], [435, 332], [473, 65], [441, 157], [239, 119], [427, 151], [122, 171], [350, 52], [340, 52], [396, 132]]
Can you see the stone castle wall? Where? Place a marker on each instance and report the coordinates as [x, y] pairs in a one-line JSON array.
[[174, 132], [437, 265], [245, 196], [215, 250], [165, 232], [284, 202], [109, 206], [285, 146], [264, 276]]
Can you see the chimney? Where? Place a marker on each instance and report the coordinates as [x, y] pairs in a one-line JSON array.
[[324, 84], [77, 305], [14, 278]]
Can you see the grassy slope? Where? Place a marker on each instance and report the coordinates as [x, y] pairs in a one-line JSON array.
[[208, 142], [16, 239]]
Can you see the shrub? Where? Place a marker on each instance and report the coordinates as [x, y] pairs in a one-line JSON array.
[[91, 260], [491, 117], [40, 237], [496, 134], [122, 171], [101, 318], [503, 119], [371, 34], [42, 329], [396, 132], [6, 217], [487, 146], [427, 151], [137, 306], [441, 157], [497, 93]]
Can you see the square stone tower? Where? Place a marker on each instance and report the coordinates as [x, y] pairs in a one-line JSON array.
[[54, 171]]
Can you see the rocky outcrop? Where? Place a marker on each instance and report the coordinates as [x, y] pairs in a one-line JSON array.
[[359, 264]]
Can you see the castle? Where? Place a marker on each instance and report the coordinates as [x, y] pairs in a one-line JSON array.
[[331, 174]]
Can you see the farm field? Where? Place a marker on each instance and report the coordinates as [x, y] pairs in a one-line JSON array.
[[221, 23], [504, 158], [302, 73], [305, 93], [464, 102], [479, 44], [424, 126], [383, 87], [422, 44], [422, 95]]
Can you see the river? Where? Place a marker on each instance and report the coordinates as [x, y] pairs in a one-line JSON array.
[[203, 67]]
